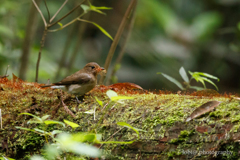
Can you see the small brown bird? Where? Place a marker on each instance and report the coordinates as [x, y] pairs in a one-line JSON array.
[[80, 82]]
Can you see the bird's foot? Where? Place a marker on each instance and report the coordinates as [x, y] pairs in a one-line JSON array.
[[81, 99], [65, 106]]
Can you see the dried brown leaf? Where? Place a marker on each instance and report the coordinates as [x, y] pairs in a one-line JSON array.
[[206, 107]]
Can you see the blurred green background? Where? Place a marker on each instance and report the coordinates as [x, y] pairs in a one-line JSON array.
[[200, 35]]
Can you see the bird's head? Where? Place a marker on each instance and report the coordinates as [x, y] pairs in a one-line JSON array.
[[93, 68]]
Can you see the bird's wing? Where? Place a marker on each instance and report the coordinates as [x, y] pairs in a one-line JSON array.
[[75, 78]]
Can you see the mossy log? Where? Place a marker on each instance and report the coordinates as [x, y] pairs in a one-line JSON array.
[[214, 135]]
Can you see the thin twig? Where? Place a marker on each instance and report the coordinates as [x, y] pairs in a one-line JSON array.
[[117, 38], [58, 11], [40, 52], [6, 70], [47, 10], [50, 25], [40, 12]]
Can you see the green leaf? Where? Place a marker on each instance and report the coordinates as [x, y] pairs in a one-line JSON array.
[[172, 80], [56, 132], [85, 8], [52, 151], [99, 27], [99, 102], [41, 131], [209, 81], [124, 124], [84, 137], [72, 124], [32, 116], [37, 157], [45, 117], [60, 24], [111, 93], [89, 111], [103, 30], [26, 129], [53, 122], [197, 88], [116, 142], [206, 75], [238, 26], [68, 143], [183, 73], [116, 98], [84, 149]]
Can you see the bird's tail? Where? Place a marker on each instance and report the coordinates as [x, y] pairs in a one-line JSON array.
[[46, 86]]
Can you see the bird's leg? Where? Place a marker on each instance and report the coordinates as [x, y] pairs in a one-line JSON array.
[[81, 99], [65, 106]]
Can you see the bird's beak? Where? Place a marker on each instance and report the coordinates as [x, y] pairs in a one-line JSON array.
[[101, 69]]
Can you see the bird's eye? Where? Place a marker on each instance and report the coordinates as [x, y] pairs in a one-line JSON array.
[[92, 67]]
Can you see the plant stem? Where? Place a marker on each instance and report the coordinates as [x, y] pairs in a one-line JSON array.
[[126, 38], [40, 12], [117, 38], [50, 25], [58, 11], [40, 52]]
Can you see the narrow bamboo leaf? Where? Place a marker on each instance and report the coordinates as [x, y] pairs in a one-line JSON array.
[[26, 129], [84, 137], [197, 88], [53, 122], [89, 111], [32, 116], [172, 80], [45, 117], [99, 102], [183, 73], [103, 8], [101, 29], [209, 81], [72, 124], [124, 124], [31, 121], [208, 75], [202, 81], [116, 142], [56, 132], [41, 131]]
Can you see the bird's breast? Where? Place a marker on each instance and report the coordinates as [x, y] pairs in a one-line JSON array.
[[80, 89]]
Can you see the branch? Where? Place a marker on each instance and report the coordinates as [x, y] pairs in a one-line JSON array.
[[40, 52], [40, 12], [50, 25], [47, 10], [58, 11], [117, 38], [69, 23], [126, 38]]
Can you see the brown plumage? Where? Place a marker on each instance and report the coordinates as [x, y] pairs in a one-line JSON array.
[[81, 81]]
